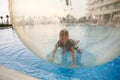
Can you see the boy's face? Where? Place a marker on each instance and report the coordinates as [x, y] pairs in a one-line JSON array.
[[63, 38]]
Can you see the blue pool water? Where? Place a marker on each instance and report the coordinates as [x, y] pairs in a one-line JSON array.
[[15, 55]]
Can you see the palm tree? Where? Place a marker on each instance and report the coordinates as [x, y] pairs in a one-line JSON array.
[[1, 19], [7, 19]]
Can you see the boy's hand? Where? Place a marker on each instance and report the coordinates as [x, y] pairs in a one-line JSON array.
[[63, 52], [51, 59], [73, 65]]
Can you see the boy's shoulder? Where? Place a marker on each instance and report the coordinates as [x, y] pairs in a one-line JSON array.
[[71, 40], [59, 42]]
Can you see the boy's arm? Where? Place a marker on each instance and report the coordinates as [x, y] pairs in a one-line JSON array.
[[73, 57], [54, 51]]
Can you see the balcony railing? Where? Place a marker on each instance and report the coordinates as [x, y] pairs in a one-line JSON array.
[[105, 3], [90, 2], [106, 11]]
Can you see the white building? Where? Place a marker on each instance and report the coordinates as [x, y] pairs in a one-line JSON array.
[[104, 11]]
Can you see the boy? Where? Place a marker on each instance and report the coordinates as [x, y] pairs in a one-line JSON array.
[[66, 44]]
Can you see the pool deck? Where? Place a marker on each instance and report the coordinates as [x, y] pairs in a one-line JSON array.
[[9, 74]]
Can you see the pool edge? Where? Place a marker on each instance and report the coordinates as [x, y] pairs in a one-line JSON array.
[[10, 74]]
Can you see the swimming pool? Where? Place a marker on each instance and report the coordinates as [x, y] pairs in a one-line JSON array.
[[15, 55]]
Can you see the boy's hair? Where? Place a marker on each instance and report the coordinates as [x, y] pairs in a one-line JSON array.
[[64, 32]]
